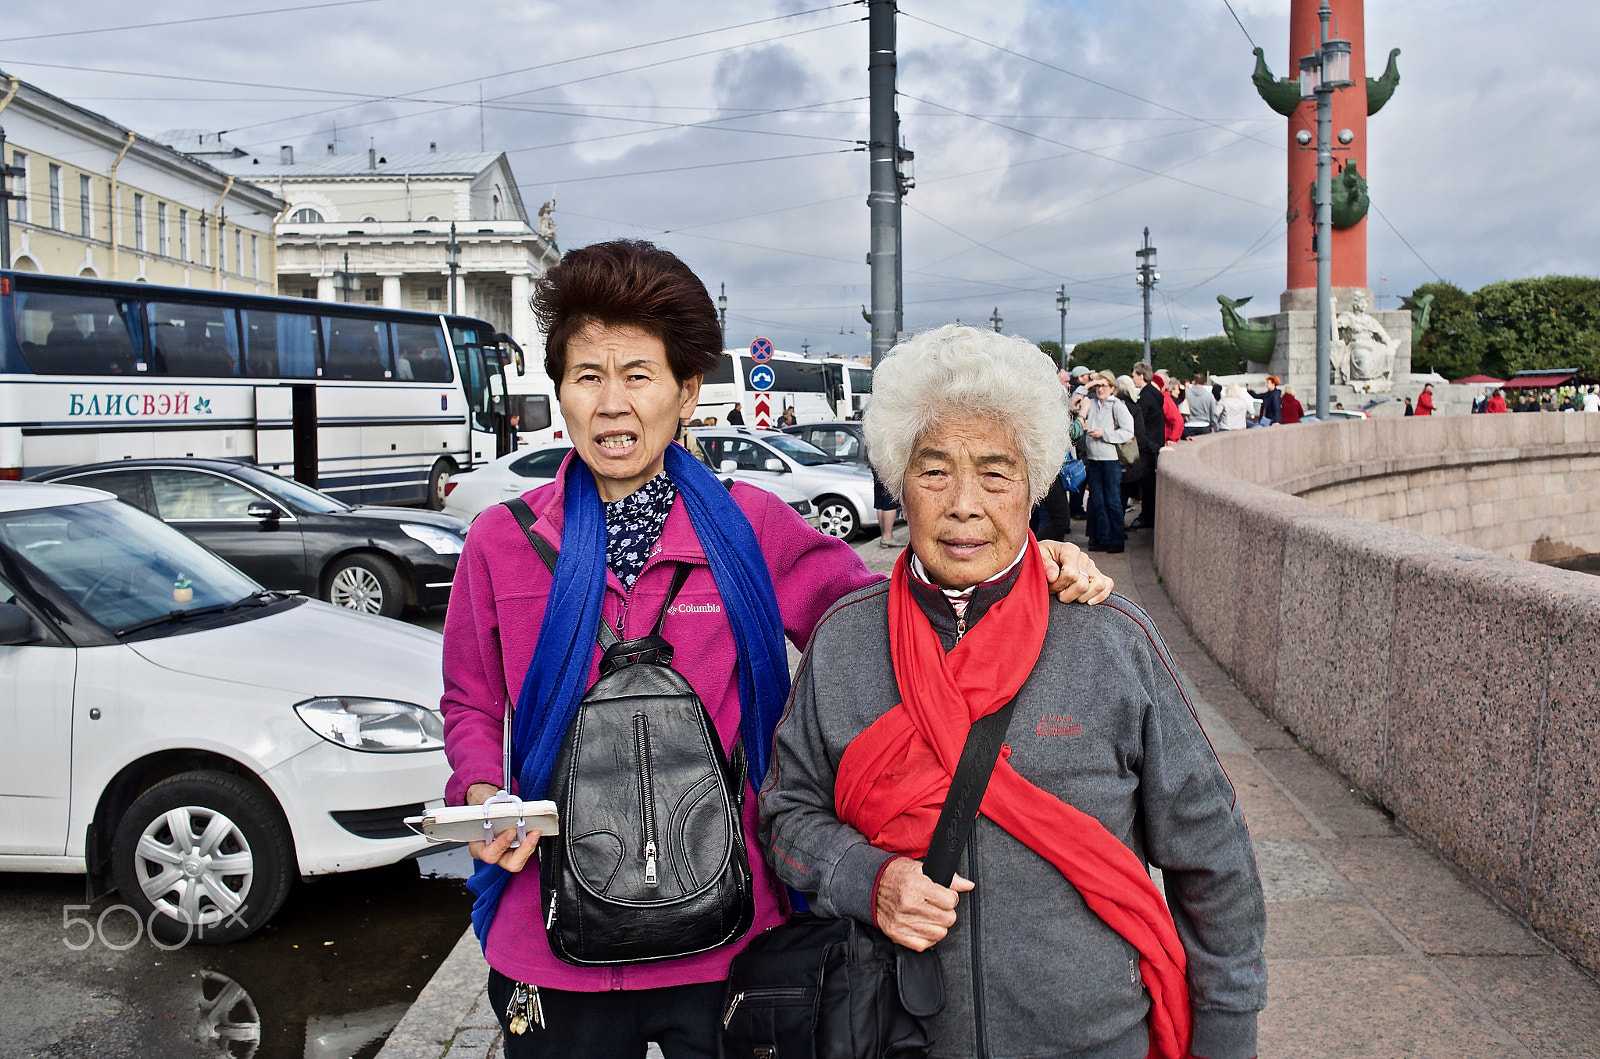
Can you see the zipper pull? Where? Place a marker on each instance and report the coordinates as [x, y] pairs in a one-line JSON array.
[[650, 863], [733, 1005], [550, 920], [961, 628]]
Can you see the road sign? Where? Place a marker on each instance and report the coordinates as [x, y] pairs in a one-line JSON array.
[[761, 351], [763, 411], [762, 377]]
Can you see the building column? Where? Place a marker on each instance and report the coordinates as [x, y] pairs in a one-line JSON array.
[[325, 291], [391, 291], [521, 309]]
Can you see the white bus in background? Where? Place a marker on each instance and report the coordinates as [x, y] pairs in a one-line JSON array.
[[849, 386], [799, 383], [369, 405]]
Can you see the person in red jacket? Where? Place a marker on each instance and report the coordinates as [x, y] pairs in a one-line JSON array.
[[1497, 402], [1290, 409], [1425, 401], [1172, 418]]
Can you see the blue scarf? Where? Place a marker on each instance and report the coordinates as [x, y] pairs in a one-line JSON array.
[[558, 674]]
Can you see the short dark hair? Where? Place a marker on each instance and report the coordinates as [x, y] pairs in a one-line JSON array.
[[628, 282]]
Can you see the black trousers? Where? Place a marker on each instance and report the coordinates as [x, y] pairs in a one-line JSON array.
[[685, 1020], [1055, 509], [1147, 485]]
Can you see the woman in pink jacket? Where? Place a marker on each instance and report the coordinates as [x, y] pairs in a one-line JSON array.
[[630, 331]]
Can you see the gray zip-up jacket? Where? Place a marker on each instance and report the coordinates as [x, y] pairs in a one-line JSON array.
[[1112, 417], [1103, 724]]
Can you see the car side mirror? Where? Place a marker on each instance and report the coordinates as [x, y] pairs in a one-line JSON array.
[[775, 465], [727, 466], [16, 625], [264, 511]]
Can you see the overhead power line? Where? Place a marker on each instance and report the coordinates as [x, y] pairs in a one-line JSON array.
[[187, 21]]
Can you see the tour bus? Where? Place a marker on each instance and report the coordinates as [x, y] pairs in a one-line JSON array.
[[849, 386], [371, 405], [798, 382]]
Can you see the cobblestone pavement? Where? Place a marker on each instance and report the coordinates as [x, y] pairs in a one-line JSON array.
[[1376, 948]]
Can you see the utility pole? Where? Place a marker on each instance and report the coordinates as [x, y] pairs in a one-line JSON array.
[[344, 280], [1321, 75], [722, 314], [453, 249], [996, 319], [888, 186], [1063, 303], [1147, 277], [7, 197]]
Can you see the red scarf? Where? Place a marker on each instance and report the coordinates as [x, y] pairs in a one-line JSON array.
[[894, 776]]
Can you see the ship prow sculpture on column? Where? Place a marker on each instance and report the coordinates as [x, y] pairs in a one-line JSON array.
[[1370, 348]]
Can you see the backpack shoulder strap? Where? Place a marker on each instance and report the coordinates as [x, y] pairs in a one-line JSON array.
[[525, 517], [680, 574]]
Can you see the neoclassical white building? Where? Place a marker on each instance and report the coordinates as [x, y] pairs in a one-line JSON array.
[[391, 214]]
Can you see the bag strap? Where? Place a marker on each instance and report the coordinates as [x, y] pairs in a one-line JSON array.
[[960, 812]]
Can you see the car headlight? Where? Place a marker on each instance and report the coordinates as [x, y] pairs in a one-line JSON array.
[[443, 542], [803, 507], [382, 726]]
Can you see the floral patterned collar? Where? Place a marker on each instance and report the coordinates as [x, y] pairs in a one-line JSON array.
[[633, 525]]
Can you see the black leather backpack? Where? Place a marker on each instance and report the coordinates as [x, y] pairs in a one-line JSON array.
[[650, 863]]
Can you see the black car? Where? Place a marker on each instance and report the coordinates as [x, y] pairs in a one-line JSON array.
[[288, 536], [842, 439]]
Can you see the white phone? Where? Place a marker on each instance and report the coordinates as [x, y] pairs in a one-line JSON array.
[[475, 823]]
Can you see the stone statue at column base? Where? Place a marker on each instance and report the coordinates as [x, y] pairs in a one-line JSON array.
[[1363, 354]]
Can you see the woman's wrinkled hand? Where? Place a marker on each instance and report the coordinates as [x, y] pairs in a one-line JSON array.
[[1074, 577], [499, 851], [911, 908]]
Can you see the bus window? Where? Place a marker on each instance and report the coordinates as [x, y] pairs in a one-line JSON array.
[[199, 340], [75, 334], [795, 377], [420, 354], [860, 380], [280, 345], [474, 374], [723, 372], [355, 349]]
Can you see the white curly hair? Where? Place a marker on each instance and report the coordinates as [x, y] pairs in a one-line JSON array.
[[956, 371]]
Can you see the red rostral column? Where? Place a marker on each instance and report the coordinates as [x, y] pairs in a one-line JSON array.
[[1349, 112]]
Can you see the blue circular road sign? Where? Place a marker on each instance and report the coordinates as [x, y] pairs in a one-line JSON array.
[[761, 351], [761, 378]]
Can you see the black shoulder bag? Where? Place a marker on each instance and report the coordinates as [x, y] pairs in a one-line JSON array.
[[650, 863], [840, 989]]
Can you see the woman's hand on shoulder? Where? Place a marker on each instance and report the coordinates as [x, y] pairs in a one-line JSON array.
[[911, 908], [1074, 577], [499, 851]]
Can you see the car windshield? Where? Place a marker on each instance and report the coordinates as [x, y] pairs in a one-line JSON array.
[[801, 452], [291, 492], [120, 565]]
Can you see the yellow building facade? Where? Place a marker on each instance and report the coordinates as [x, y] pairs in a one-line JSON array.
[[103, 201]]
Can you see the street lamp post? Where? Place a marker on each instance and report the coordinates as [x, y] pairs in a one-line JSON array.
[[453, 249], [996, 319], [722, 314], [1321, 75], [1146, 276], [1063, 303]]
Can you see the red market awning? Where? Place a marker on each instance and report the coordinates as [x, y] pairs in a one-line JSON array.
[[1540, 382], [1479, 380]]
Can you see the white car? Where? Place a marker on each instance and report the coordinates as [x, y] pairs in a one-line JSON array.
[[841, 490], [469, 493], [169, 727]]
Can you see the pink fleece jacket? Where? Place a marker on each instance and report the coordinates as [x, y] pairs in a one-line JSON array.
[[496, 608]]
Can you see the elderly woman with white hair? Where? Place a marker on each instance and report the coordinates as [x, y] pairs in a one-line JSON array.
[[1052, 937]]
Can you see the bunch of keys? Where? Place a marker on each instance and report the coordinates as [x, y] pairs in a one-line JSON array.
[[524, 1009]]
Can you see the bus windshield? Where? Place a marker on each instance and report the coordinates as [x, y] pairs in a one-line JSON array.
[[475, 368]]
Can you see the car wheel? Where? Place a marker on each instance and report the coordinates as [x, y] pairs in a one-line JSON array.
[[204, 857], [837, 518], [365, 583], [438, 478]]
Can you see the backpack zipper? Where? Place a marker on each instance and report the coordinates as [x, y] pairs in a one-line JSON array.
[[647, 799], [784, 993]]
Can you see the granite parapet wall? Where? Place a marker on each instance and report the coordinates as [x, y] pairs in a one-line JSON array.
[[1457, 687]]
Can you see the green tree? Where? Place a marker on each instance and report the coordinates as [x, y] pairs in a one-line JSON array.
[[1051, 348], [1453, 344], [1115, 355], [1552, 322]]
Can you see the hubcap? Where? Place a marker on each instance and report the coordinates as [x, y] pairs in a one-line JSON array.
[[194, 865], [836, 520], [358, 588]]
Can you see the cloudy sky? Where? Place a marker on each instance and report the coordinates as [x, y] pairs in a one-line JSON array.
[[1047, 136]]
